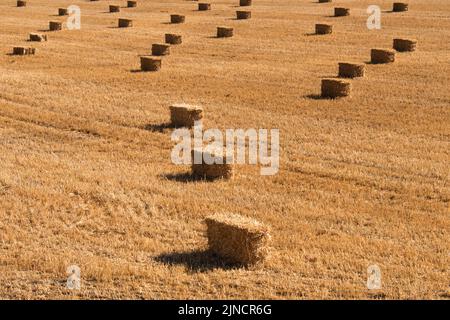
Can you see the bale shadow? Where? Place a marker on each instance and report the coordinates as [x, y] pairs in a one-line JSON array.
[[196, 261], [317, 97], [377, 63], [186, 177], [162, 127], [142, 71]]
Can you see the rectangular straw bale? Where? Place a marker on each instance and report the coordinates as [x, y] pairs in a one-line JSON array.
[[172, 38], [238, 239], [55, 25], [221, 168], [21, 51], [38, 37], [184, 115], [125, 23]]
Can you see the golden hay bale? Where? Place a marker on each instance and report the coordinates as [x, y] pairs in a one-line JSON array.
[[224, 32], [241, 15], [204, 6], [177, 18], [341, 12], [245, 3], [160, 49], [400, 7], [404, 45], [114, 8], [184, 115], [382, 56], [38, 37], [221, 168], [131, 4], [55, 25], [62, 12], [21, 51], [21, 3], [125, 23], [238, 239], [149, 63], [172, 38], [333, 88], [323, 28], [351, 70]]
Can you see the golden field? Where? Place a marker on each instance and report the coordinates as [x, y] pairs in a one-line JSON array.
[[86, 177]]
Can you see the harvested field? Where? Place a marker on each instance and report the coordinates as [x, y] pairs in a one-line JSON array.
[[86, 176]]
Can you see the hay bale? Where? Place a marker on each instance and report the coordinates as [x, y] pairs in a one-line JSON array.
[[238, 239], [22, 51], [224, 32], [324, 28], [222, 168], [400, 7], [405, 45], [184, 115], [55, 25], [351, 70], [341, 12], [149, 63], [204, 6], [177, 18], [21, 3], [38, 37], [172, 38], [334, 88], [114, 8], [62, 12], [131, 4], [324, 1], [382, 56], [125, 23], [245, 3], [241, 15], [160, 49]]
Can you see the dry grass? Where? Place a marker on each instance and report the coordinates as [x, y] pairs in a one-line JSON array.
[[86, 176]]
